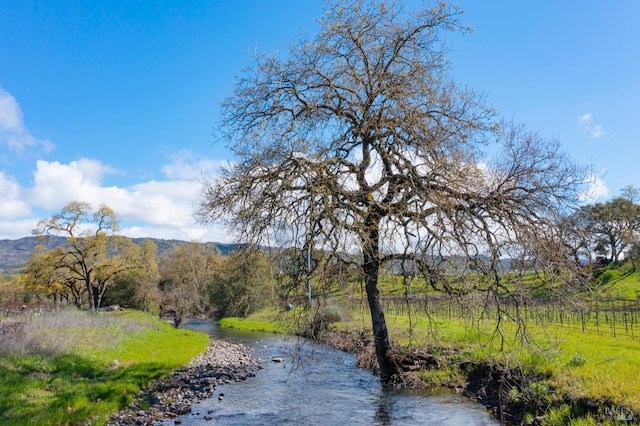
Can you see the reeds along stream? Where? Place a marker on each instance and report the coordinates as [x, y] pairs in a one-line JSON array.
[[606, 316]]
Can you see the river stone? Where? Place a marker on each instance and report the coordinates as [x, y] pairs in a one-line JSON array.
[[169, 397]]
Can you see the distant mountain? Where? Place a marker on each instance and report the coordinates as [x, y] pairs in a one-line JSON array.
[[14, 254]]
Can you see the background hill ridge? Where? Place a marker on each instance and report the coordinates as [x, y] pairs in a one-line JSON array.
[[15, 253]]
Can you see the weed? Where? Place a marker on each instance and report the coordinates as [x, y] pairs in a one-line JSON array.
[[440, 376], [539, 391], [558, 416], [577, 360], [515, 395]]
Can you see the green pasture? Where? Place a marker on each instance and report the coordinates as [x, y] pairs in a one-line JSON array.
[[585, 349], [267, 320], [72, 368]]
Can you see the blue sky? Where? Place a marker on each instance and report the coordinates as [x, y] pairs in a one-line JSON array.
[[114, 102]]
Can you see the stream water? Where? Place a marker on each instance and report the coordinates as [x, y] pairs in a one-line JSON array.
[[318, 385]]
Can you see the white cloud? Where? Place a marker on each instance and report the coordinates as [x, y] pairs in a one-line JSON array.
[[56, 183], [16, 228], [161, 209], [13, 132], [585, 118], [10, 114], [194, 233], [185, 165], [167, 203], [155, 208], [595, 131], [11, 204], [597, 190]]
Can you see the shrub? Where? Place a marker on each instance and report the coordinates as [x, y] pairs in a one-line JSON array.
[[539, 393], [577, 360], [323, 318], [609, 275]]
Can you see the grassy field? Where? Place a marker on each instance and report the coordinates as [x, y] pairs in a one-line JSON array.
[[266, 322], [67, 367], [580, 365], [620, 282], [587, 353]]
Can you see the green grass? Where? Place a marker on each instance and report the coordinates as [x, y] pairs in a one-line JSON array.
[[623, 283], [72, 368], [592, 365], [589, 365], [267, 320]]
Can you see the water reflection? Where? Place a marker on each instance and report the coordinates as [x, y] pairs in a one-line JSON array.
[[384, 410]]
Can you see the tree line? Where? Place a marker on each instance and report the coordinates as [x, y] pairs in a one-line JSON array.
[[96, 267]]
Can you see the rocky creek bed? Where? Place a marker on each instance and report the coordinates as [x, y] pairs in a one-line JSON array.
[[174, 395]]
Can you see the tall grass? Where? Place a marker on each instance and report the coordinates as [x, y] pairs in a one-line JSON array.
[[68, 367], [57, 332]]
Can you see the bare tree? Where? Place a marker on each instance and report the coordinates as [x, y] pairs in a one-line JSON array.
[[186, 277], [358, 141], [631, 193], [576, 231]]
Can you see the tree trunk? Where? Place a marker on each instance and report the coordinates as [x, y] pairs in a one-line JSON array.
[[100, 289], [371, 268], [77, 300], [614, 250], [97, 298], [90, 296]]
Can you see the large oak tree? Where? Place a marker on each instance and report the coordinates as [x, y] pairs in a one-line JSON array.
[[358, 141], [93, 254], [615, 224]]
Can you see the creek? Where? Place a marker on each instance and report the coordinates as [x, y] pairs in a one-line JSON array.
[[318, 385]]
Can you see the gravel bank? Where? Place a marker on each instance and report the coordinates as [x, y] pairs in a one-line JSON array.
[[172, 396]]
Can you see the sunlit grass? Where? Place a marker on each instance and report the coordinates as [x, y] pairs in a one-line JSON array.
[[623, 283], [70, 368], [607, 371], [267, 320], [589, 365]]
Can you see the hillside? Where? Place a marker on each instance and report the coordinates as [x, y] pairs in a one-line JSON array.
[[14, 254]]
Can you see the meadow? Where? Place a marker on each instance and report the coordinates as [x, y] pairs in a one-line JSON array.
[[68, 367], [576, 360]]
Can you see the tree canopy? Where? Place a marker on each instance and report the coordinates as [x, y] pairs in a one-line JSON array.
[[608, 228], [187, 273], [359, 141], [93, 254]]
